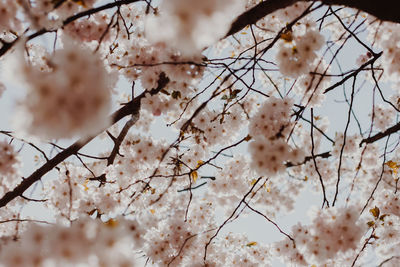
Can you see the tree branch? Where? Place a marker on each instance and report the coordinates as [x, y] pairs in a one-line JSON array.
[[381, 135], [8, 45], [380, 10], [256, 13], [131, 108]]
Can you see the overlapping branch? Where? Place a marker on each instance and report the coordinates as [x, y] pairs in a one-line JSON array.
[[380, 135], [130, 108], [380, 10], [8, 45]]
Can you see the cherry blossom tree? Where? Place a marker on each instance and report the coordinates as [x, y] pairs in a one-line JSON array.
[[149, 127]]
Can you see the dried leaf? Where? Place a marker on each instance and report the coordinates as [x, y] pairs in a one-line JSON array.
[[393, 165], [194, 176], [382, 218], [112, 223], [176, 94], [250, 244], [86, 188], [375, 212], [287, 36], [79, 2]]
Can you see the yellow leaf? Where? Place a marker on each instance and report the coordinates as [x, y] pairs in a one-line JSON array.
[[287, 36], [86, 188], [251, 244], [199, 163], [253, 181], [112, 223], [375, 212], [79, 2], [152, 211], [393, 165], [269, 189], [306, 178], [194, 176]]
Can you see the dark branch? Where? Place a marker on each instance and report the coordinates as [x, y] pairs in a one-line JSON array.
[[381, 135], [380, 10], [131, 108], [308, 158], [256, 13], [8, 45]]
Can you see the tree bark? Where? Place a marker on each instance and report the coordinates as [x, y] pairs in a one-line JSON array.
[[384, 10]]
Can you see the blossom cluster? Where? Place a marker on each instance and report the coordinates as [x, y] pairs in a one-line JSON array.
[[332, 233], [215, 129], [311, 87], [175, 197], [388, 202], [295, 59], [93, 28], [176, 241], [270, 25], [269, 128], [49, 14], [351, 146], [8, 18], [138, 60], [141, 154], [191, 25], [70, 98], [383, 117], [386, 36], [236, 178], [8, 159], [87, 241], [387, 231]]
